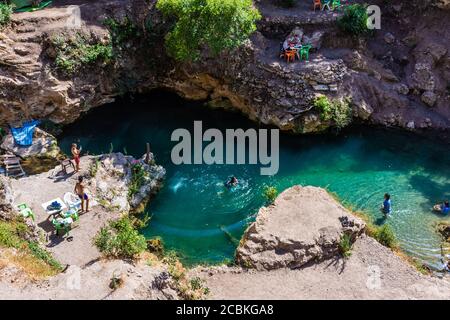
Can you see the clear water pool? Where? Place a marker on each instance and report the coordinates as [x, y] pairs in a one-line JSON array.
[[193, 209]]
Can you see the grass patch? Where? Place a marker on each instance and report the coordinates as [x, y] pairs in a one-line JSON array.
[[29, 256], [188, 288], [75, 53], [5, 14], [345, 245]]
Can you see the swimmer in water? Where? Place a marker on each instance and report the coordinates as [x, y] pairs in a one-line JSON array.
[[232, 182]]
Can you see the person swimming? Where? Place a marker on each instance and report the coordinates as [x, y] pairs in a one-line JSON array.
[[386, 207], [232, 182], [443, 208]]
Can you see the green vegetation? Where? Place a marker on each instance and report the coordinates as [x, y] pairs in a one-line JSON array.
[[138, 176], [5, 14], [120, 239], [94, 168], [215, 24], [354, 20], [339, 112], [345, 245], [270, 193], [189, 289], [156, 246], [121, 31], [74, 53], [31, 257], [385, 236]]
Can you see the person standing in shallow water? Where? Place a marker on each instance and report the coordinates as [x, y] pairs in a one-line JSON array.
[[76, 156], [386, 207]]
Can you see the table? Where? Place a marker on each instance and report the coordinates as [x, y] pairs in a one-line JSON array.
[[54, 212]]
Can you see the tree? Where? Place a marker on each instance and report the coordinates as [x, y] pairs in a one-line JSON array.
[[215, 24]]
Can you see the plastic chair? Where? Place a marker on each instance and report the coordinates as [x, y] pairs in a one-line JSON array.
[[60, 225], [336, 4], [304, 52], [72, 201], [26, 211], [317, 3], [290, 55], [326, 3]]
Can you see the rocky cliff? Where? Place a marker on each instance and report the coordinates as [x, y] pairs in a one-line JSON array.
[[397, 78], [304, 224]]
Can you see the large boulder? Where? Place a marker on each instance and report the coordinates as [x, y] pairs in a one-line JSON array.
[[44, 146], [117, 187], [303, 224]]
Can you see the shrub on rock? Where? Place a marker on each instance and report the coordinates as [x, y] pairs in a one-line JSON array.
[[215, 24]]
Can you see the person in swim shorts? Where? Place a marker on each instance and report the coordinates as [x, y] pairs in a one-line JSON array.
[[81, 193], [76, 156]]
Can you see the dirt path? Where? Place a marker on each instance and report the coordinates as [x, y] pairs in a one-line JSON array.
[[356, 278]]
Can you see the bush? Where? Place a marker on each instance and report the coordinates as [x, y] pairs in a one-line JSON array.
[[354, 20], [5, 14], [323, 105], [138, 176], [270, 193], [73, 54], [345, 245], [385, 236], [216, 24], [120, 239], [339, 112], [121, 31]]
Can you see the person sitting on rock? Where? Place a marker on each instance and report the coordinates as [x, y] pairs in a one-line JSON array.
[[386, 207]]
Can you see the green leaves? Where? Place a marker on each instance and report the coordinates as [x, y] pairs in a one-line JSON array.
[[215, 24], [355, 19], [73, 54], [5, 14], [120, 239]]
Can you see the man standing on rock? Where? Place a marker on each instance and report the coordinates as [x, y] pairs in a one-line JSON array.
[[76, 156], [81, 192]]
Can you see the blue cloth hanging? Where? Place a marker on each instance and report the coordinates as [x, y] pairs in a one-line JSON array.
[[23, 136]]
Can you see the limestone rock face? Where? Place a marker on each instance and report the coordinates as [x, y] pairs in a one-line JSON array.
[[44, 145], [112, 179], [6, 199], [303, 224]]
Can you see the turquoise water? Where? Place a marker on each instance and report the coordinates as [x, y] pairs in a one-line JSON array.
[[193, 208]]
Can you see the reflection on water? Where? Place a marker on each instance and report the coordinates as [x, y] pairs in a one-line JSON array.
[[194, 207]]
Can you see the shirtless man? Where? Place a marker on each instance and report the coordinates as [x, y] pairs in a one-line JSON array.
[[76, 156], [80, 191]]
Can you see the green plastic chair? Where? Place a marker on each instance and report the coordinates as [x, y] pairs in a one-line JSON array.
[[326, 3], [60, 227], [304, 51], [72, 213], [336, 4], [26, 211]]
